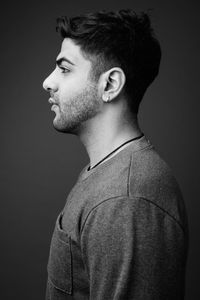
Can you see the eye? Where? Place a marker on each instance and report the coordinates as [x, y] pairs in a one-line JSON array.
[[64, 69]]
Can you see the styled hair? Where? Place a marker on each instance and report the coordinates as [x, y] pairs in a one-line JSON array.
[[117, 39]]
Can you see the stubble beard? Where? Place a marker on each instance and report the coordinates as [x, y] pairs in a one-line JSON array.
[[77, 110]]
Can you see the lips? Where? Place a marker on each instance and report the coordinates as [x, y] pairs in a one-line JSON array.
[[51, 101], [54, 107]]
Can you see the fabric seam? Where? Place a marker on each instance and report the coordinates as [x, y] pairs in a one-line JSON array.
[[133, 198], [128, 179]]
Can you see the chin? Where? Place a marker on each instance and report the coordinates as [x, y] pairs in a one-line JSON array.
[[65, 128]]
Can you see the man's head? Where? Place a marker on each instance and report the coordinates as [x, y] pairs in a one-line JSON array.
[[117, 39], [104, 55]]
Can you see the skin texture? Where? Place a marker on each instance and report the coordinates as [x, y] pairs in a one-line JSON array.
[[74, 94]]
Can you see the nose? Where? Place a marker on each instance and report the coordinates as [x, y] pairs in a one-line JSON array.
[[49, 83]]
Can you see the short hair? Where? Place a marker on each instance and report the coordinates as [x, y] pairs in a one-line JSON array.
[[117, 39]]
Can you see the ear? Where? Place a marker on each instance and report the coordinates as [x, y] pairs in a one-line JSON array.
[[112, 83]]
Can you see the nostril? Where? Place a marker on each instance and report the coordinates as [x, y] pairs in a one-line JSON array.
[[46, 86]]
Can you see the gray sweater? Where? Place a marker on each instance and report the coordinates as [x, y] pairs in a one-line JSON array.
[[123, 232]]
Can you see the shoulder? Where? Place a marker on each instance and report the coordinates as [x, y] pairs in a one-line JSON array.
[[151, 178], [134, 181], [149, 174]]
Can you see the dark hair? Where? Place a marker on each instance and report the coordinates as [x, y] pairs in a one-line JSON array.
[[121, 39]]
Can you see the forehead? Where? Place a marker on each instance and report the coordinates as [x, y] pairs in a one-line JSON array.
[[73, 52]]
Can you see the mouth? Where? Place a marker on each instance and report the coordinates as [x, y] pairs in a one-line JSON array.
[[52, 101], [54, 107]]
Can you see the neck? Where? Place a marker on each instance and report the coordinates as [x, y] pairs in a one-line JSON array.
[[105, 133]]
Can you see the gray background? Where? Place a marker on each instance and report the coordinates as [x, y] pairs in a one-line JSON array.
[[38, 166]]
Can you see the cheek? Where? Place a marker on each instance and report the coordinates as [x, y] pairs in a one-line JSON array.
[[71, 87]]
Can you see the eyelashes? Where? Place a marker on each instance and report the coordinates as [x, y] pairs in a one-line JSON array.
[[64, 70]]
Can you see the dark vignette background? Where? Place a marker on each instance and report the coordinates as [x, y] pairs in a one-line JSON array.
[[39, 166]]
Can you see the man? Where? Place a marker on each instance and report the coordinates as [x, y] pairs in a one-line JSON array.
[[123, 231]]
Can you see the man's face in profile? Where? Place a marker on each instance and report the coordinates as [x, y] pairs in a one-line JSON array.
[[73, 94]]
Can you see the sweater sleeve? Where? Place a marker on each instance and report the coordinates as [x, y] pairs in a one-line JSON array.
[[132, 249]]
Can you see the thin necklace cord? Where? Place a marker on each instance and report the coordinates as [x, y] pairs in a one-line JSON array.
[[136, 138]]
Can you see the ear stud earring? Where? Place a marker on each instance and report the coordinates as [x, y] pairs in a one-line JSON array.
[[106, 98]]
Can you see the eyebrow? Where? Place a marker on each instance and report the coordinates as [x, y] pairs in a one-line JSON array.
[[60, 60]]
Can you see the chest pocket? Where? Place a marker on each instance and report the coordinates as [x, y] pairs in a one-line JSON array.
[[60, 259]]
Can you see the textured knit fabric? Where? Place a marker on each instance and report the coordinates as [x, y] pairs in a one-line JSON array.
[[123, 232]]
